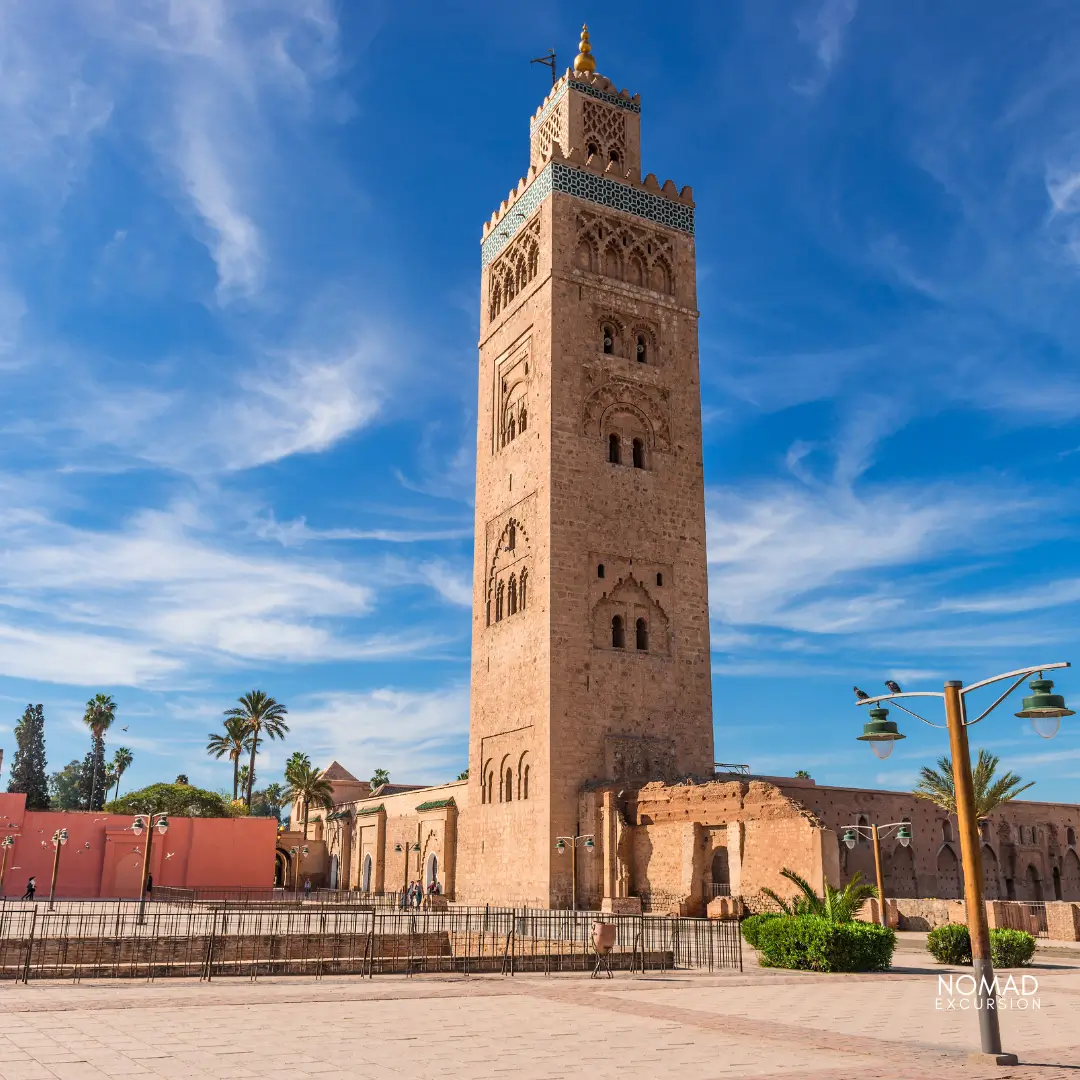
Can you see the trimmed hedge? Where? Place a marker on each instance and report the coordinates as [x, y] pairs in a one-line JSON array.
[[751, 926], [951, 944], [1011, 948], [810, 943]]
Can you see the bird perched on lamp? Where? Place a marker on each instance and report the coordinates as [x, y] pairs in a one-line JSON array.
[[893, 686], [861, 695]]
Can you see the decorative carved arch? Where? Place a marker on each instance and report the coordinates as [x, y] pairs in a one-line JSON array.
[[630, 600], [649, 404]]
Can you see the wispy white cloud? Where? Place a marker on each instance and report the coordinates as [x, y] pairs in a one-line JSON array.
[[418, 736], [824, 30]]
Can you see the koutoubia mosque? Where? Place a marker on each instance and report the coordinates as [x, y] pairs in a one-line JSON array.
[[591, 777]]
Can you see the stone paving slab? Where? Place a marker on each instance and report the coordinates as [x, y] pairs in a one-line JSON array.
[[690, 1024]]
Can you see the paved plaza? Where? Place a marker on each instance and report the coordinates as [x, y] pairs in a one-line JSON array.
[[686, 1024]]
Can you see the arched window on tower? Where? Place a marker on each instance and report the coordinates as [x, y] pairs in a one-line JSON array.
[[659, 579], [614, 156], [642, 635], [521, 589], [523, 420], [510, 429], [512, 596], [639, 453], [511, 537], [618, 633], [499, 596], [609, 339], [642, 349], [509, 781], [490, 785], [599, 570], [614, 452], [525, 782]]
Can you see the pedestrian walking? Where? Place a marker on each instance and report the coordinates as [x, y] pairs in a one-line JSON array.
[[418, 894], [149, 885], [307, 888], [31, 888]]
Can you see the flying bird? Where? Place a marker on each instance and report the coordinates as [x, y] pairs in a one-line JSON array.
[[169, 855], [860, 695], [893, 686], [123, 729]]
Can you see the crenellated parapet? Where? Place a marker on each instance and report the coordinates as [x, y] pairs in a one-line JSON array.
[[592, 179]]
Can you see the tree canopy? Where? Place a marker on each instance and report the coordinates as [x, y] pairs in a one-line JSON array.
[[178, 800], [28, 766], [936, 785]]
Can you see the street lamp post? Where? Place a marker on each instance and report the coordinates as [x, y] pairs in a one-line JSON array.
[[297, 851], [5, 844], [138, 827], [59, 839], [875, 832], [1045, 710], [561, 844]]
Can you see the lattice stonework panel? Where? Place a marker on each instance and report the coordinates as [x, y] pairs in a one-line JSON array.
[[550, 131], [606, 127], [593, 188]]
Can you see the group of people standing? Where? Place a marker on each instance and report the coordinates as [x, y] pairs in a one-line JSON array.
[[414, 896]]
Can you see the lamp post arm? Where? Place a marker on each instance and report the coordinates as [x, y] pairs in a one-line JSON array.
[[986, 712], [905, 694], [1020, 673], [911, 712]]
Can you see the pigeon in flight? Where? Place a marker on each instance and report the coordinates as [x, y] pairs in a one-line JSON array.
[[123, 729], [861, 695], [893, 686]]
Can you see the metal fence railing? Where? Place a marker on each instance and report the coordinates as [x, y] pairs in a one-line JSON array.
[[714, 889], [1029, 915], [251, 939]]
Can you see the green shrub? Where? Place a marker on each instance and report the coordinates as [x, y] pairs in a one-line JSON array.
[[176, 800], [1011, 948], [950, 944], [811, 943], [751, 926]]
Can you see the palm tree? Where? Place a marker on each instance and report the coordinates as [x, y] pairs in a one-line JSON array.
[[243, 774], [379, 777], [837, 905], [233, 742], [99, 715], [936, 785], [308, 786], [121, 762], [261, 714], [274, 797]]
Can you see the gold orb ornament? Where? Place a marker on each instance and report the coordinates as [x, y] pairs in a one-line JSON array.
[[584, 60]]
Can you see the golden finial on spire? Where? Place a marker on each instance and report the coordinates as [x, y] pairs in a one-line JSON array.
[[584, 60]]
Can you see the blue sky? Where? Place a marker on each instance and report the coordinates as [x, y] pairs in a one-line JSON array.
[[238, 321]]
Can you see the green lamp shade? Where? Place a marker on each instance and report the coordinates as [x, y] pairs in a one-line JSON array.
[[903, 834], [849, 837], [1043, 703], [560, 847], [880, 733], [1044, 709], [589, 845]]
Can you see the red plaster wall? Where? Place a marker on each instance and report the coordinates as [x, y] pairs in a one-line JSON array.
[[103, 858]]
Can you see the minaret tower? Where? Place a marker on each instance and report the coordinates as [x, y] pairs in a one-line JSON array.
[[590, 658]]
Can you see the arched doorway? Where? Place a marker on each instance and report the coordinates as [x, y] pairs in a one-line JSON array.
[[1034, 883], [1057, 883], [365, 875], [991, 881], [948, 874], [1070, 876], [281, 869], [899, 872], [431, 870], [335, 864], [721, 873]]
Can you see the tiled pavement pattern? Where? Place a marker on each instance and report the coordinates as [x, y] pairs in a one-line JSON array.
[[690, 1025]]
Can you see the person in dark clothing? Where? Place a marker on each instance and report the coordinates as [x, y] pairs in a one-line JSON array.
[[31, 888], [149, 884]]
